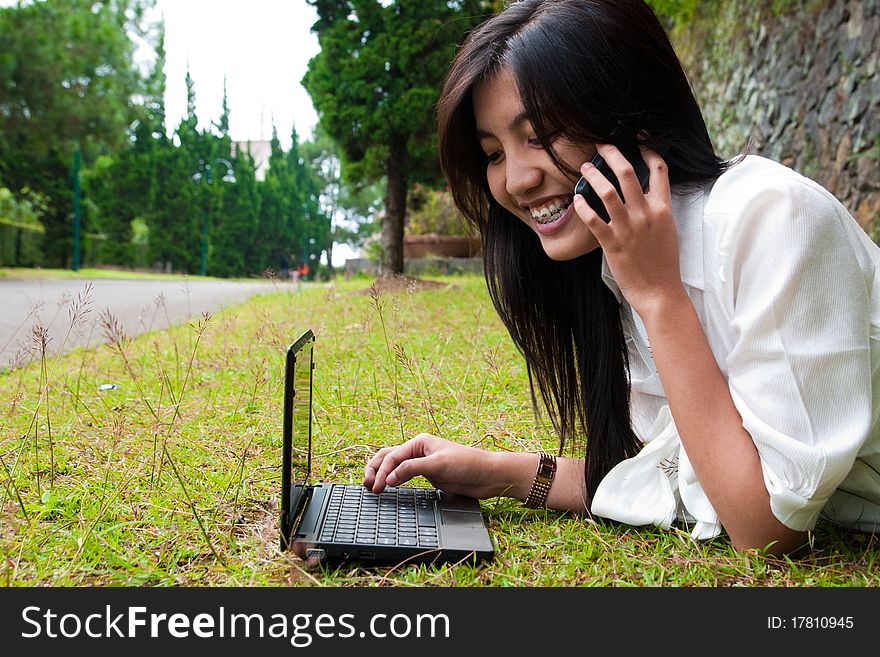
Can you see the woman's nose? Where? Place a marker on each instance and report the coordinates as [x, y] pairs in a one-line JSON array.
[[522, 174]]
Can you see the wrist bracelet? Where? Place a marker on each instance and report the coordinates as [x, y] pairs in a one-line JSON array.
[[537, 497]]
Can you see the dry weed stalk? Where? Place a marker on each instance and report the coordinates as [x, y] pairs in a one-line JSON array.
[[119, 342], [200, 329], [37, 347], [378, 304], [411, 366], [80, 308], [19, 359]]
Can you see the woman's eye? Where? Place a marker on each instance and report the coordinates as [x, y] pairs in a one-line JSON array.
[[493, 156], [536, 142]]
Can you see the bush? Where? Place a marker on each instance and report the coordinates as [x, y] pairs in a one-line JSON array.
[[432, 211], [21, 233]]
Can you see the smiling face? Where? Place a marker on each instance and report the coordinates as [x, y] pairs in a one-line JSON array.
[[522, 176]]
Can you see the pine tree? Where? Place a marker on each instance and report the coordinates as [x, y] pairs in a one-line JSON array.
[[375, 84], [121, 188], [281, 219], [68, 85]]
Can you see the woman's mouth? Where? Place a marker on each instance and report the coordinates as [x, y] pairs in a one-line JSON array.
[[549, 218]]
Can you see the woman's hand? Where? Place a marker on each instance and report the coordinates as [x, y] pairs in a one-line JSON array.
[[449, 466], [640, 242]]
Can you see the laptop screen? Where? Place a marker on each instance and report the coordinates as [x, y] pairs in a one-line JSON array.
[[298, 407], [296, 463]]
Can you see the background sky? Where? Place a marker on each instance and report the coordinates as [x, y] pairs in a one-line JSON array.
[[263, 48]]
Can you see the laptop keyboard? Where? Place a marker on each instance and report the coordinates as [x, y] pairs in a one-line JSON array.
[[396, 516]]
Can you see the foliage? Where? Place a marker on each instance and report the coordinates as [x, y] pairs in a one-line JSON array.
[[177, 191], [351, 208], [317, 236], [234, 227], [674, 12], [432, 211], [282, 208], [375, 84], [68, 78], [21, 234], [19, 211], [115, 190]]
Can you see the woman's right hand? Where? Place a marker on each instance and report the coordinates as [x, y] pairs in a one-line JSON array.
[[449, 466]]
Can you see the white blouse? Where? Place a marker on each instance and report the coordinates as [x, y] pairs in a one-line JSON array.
[[785, 283]]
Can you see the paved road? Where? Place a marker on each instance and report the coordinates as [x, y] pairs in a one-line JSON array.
[[137, 305]]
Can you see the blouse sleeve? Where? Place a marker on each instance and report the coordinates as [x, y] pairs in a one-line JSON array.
[[790, 277]]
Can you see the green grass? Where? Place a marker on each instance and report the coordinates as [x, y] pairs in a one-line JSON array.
[[173, 477]]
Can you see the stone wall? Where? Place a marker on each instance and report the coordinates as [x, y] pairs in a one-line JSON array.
[[797, 81]]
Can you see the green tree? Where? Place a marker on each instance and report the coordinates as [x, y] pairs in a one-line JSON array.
[[351, 208], [317, 237], [177, 206], [120, 188], [67, 81], [281, 231], [229, 210], [20, 232], [175, 214], [375, 84], [111, 209], [234, 220]]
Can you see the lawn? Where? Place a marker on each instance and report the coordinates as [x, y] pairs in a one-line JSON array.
[[171, 475]]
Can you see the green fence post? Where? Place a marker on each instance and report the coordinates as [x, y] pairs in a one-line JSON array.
[[76, 218]]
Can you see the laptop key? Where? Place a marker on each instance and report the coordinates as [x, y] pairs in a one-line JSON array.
[[426, 518]]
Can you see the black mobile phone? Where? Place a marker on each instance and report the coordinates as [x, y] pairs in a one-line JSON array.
[[583, 187]]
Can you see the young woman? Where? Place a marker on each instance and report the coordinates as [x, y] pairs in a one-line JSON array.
[[714, 345]]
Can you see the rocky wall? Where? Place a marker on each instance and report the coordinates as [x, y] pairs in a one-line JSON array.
[[796, 81]]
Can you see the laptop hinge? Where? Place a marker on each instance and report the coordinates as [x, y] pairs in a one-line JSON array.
[[299, 495]]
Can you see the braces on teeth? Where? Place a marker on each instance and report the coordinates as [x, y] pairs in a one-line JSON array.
[[550, 214]]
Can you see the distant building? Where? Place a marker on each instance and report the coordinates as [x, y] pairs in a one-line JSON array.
[[259, 149]]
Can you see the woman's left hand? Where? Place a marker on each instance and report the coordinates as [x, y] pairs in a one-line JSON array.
[[640, 242]]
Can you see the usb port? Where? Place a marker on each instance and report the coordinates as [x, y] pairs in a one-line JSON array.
[[366, 554]]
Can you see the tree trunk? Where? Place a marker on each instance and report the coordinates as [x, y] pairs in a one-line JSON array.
[[330, 257], [395, 210]]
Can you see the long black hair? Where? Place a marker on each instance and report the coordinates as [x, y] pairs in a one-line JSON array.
[[593, 71]]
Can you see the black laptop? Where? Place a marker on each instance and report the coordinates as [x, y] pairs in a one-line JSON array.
[[346, 522]]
